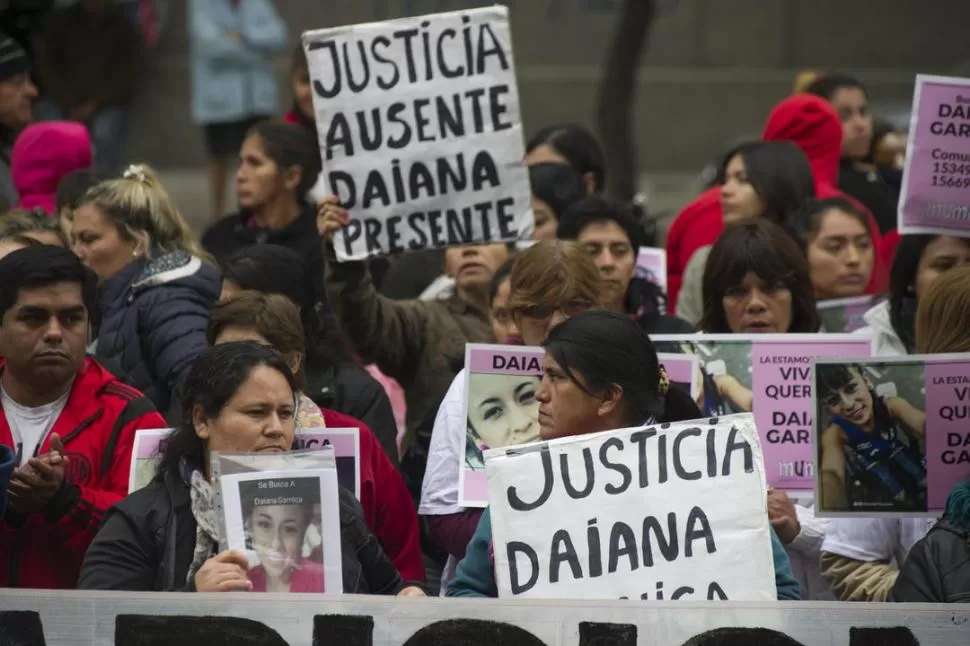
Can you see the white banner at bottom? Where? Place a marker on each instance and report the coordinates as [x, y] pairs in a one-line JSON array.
[[29, 618]]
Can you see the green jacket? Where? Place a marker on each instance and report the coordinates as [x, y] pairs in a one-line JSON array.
[[421, 344]]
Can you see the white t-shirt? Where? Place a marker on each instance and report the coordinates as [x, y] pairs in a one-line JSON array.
[[30, 426], [875, 539], [446, 454]]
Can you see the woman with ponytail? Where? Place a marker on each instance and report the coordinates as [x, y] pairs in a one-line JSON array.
[[600, 372], [157, 286]]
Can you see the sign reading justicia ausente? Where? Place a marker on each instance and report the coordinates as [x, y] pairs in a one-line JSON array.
[[420, 131]]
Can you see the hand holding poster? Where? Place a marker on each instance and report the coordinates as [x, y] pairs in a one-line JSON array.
[[635, 513], [935, 195], [285, 518], [891, 434], [769, 375], [420, 131], [501, 408]]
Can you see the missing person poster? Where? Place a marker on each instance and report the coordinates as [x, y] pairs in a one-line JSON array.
[[420, 131], [846, 314], [652, 265], [149, 446], [146, 455], [935, 194], [769, 375], [891, 434], [636, 513], [501, 408], [287, 522]]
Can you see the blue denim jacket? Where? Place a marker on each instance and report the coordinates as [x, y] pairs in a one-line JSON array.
[[234, 80]]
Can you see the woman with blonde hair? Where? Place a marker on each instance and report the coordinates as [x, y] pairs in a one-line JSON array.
[[943, 315], [157, 287]]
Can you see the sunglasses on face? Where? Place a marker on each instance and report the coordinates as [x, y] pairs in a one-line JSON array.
[[544, 312]]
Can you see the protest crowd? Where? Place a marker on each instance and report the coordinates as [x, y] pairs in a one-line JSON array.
[[448, 302]]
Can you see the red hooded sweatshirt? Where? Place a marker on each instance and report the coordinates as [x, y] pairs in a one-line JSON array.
[[810, 123], [42, 155]]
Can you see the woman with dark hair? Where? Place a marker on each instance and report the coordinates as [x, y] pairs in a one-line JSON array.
[[239, 398], [834, 235], [919, 260], [608, 231], [770, 180], [550, 281], [572, 145], [600, 372], [334, 380], [756, 281], [555, 187], [278, 164], [273, 320]]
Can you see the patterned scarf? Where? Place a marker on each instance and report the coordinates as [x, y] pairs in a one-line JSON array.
[[207, 533]]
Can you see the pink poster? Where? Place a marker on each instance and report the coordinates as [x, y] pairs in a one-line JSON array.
[[892, 434], [500, 409], [768, 375], [846, 314], [935, 195], [652, 265]]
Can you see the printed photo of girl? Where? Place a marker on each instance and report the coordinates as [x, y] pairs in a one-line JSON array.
[[282, 527], [871, 453], [502, 411]]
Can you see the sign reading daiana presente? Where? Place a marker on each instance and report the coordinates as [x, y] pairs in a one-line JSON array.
[[420, 131], [666, 511]]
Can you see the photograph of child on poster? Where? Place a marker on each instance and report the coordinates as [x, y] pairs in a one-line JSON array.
[[281, 520], [502, 411], [871, 449], [724, 377]]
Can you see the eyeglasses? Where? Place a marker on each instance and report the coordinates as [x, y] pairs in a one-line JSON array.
[[545, 312]]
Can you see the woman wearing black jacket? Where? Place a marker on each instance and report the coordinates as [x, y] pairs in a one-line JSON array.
[[238, 397], [334, 380]]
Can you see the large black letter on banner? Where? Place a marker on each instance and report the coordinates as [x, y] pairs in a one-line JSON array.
[[725, 636], [21, 628], [343, 630], [179, 630], [897, 636], [593, 633], [473, 632]]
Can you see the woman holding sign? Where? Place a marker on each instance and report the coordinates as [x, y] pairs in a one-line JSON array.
[[600, 372], [239, 398], [274, 321]]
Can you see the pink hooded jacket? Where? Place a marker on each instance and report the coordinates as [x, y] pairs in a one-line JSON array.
[[42, 155]]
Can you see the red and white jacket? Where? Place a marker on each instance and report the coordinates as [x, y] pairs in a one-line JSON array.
[[97, 427]]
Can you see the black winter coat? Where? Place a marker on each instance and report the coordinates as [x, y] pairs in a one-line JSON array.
[[153, 320], [349, 389], [937, 569], [148, 539]]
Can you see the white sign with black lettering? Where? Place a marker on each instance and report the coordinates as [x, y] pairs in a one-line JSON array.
[[420, 131], [671, 511]]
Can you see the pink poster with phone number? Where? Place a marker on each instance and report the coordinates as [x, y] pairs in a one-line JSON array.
[[935, 195]]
